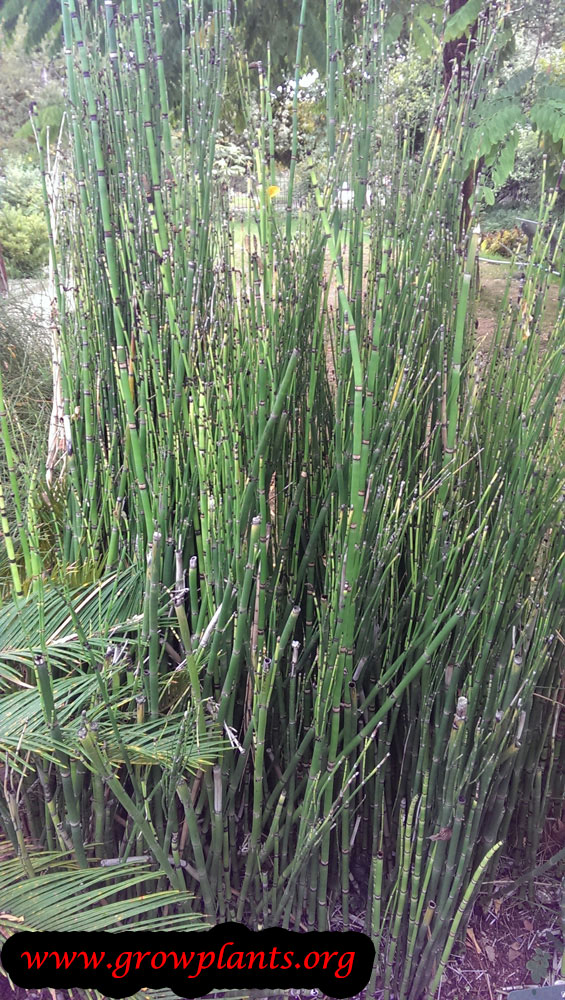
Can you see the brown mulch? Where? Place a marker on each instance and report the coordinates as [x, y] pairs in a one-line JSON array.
[[507, 931], [493, 280], [500, 942], [18, 992], [514, 934]]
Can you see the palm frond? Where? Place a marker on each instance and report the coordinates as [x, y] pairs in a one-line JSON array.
[[23, 729], [62, 896], [107, 609]]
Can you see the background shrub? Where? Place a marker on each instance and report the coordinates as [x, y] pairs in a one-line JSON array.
[[505, 242], [25, 366], [23, 229]]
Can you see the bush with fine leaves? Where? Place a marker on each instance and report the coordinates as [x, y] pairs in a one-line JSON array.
[[25, 369], [23, 229]]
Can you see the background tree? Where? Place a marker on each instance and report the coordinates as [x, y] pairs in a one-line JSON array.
[[254, 23], [42, 18], [25, 76]]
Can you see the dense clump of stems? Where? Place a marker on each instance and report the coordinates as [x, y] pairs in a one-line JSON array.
[[319, 662]]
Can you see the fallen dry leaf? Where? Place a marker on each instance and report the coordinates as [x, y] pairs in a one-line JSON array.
[[514, 952], [490, 953], [471, 935]]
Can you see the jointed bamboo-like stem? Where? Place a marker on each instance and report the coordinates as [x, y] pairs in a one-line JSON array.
[[376, 538], [200, 864], [297, 71]]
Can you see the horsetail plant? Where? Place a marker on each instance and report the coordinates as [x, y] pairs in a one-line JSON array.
[[296, 649]]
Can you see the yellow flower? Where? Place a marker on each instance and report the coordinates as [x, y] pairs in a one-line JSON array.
[[273, 190]]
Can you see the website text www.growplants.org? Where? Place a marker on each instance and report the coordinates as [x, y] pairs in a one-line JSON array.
[[228, 956]]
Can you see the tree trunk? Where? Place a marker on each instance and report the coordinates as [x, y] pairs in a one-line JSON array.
[[454, 52]]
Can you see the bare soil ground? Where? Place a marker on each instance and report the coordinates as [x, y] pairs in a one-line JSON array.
[[512, 941], [493, 282]]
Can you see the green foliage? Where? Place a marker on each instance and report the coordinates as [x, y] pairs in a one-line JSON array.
[[458, 24], [89, 901], [42, 27], [328, 534], [418, 25], [311, 121], [503, 162], [504, 242], [516, 84], [548, 111], [26, 77], [23, 229], [521, 186], [485, 193], [235, 137], [539, 965], [425, 38], [233, 158], [311, 125], [26, 377], [393, 29], [492, 136], [521, 120], [25, 369], [48, 124], [258, 28], [255, 28], [24, 241], [20, 185], [26, 357], [42, 18], [540, 21], [409, 87], [548, 116]]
